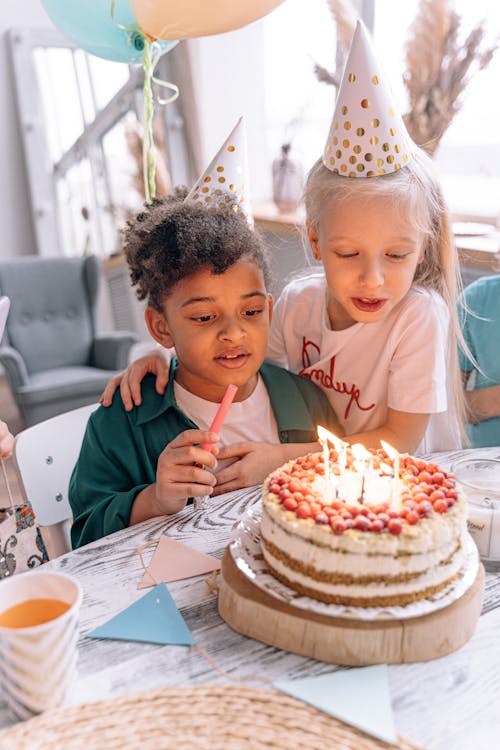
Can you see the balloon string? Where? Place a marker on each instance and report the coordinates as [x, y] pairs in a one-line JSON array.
[[167, 85], [150, 58], [148, 148], [148, 153]]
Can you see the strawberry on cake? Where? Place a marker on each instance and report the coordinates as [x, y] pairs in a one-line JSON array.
[[390, 534]]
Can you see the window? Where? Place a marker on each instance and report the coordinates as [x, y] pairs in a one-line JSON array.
[[468, 156], [80, 119]]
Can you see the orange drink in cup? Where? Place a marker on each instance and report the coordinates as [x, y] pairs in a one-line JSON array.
[[38, 636]]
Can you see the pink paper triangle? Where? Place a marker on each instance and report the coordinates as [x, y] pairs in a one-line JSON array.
[[173, 561]]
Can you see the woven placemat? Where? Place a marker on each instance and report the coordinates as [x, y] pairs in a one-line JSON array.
[[208, 717]]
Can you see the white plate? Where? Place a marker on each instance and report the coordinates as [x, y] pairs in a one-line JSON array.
[[247, 554]]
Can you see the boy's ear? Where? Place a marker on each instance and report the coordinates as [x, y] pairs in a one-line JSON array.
[[158, 327], [313, 240]]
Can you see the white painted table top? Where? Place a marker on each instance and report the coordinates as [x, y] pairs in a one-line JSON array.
[[452, 703]]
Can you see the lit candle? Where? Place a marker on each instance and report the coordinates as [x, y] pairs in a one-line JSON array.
[[339, 445], [323, 440], [394, 455], [221, 414], [361, 464]]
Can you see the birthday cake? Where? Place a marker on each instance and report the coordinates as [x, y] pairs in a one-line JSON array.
[[386, 533]]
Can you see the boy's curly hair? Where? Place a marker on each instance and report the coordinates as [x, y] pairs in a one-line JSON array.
[[172, 239]]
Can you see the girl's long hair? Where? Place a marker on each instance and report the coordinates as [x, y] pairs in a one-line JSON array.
[[416, 190]]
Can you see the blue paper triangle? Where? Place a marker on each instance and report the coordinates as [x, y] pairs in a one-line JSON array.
[[359, 697], [153, 619]]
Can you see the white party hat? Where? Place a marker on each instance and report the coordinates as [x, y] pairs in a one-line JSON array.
[[224, 184], [367, 136]]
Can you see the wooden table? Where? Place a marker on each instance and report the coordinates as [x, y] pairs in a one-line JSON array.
[[451, 703]]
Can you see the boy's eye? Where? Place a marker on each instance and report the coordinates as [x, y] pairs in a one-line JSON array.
[[346, 254], [203, 318]]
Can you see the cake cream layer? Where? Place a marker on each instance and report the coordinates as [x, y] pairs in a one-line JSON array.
[[383, 593], [341, 557]]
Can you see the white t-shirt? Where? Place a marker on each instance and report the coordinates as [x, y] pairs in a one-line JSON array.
[[251, 420], [399, 362]]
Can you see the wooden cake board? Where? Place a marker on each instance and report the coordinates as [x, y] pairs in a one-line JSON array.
[[254, 613]]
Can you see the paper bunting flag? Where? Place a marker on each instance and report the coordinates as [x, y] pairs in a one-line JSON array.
[[359, 697], [367, 136], [152, 619], [173, 561]]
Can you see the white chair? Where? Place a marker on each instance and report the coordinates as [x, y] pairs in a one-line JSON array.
[[45, 455]]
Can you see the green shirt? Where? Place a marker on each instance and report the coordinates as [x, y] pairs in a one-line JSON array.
[[120, 449]]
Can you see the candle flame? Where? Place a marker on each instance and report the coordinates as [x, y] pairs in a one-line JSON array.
[[386, 469], [360, 453], [391, 452], [324, 434]]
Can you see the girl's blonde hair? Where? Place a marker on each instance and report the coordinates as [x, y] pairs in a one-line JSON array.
[[416, 190]]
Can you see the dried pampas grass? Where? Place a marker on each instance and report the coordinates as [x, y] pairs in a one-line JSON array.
[[440, 63]]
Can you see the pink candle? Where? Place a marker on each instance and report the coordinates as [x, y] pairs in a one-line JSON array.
[[221, 414]]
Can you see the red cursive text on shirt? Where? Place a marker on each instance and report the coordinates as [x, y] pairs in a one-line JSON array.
[[327, 379]]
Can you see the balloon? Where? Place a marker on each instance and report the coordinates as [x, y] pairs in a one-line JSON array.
[[88, 24], [181, 19]]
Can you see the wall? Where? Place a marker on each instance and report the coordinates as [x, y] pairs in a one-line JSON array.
[[15, 209], [230, 82]]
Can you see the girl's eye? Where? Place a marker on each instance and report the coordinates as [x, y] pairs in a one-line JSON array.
[[397, 256], [253, 313]]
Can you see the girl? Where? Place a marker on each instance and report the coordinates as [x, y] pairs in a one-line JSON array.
[[377, 330]]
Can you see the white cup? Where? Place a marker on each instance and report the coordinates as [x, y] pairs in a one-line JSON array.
[[38, 663]]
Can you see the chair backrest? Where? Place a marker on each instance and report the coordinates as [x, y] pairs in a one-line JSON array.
[[45, 455], [52, 315], [4, 311]]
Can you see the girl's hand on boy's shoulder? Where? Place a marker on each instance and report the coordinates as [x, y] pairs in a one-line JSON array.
[[182, 470], [129, 381], [252, 463]]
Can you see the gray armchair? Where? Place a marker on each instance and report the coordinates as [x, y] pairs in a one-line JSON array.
[[53, 358]]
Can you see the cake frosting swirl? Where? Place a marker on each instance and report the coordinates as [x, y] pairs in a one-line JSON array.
[[363, 538]]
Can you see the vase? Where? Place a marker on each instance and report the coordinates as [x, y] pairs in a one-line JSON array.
[[288, 181]]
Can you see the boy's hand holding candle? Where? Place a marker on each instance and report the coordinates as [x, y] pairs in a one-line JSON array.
[[183, 471]]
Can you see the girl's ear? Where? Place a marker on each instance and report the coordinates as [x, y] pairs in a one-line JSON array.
[[313, 240], [270, 303], [158, 327]]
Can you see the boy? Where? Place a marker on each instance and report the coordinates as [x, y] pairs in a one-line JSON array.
[[204, 276]]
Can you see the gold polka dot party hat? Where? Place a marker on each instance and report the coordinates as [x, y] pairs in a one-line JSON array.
[[367, 136], [224, 184]]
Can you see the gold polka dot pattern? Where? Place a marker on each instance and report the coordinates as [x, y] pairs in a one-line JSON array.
[[378, 142], [224, 184]]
